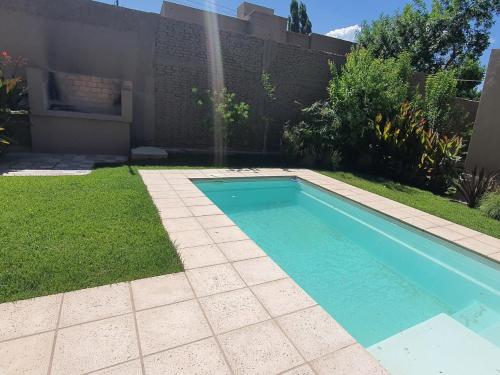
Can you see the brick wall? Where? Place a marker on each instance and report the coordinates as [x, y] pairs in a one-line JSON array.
[[182, 62], [85, 93]]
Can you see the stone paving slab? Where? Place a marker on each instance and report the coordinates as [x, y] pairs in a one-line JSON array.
[[233, 311], [35, 164]]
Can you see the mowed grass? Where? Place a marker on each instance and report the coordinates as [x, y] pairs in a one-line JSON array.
[[423, 200], [65, 233]]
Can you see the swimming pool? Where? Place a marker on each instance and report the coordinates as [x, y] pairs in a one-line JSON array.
[[376, 276]]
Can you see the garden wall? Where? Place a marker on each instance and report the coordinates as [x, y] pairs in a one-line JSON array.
[[166, 57], [484, 149]]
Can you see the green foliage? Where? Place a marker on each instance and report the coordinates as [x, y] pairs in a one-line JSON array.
[[315, 137], [298, 20], [472, 186], [269, 99], [305, 22], [365, 87], [225, 112], [440, 89], [406, 148], [490, 205], [470, 74], [12, 92], [451, 35]]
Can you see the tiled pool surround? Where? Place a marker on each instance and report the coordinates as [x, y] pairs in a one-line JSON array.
[[233, 310]]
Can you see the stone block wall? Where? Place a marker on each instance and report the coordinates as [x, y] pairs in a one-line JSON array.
[[165, 58], [84, 93], [183, 62]]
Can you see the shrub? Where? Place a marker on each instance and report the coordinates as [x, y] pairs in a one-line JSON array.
[[364, 87], [473, 186], [407, 148], [315, 136], [225, 114], [12, 92], [490, 205]]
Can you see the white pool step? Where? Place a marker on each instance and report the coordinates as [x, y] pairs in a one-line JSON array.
[[440, 345]]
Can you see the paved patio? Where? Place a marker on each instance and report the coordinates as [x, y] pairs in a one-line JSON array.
[[233, 311], [34, 164]]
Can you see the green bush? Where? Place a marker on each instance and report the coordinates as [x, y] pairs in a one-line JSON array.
[[315, 137], [490, 205], [364, 87], [405, 147], [224, 114]]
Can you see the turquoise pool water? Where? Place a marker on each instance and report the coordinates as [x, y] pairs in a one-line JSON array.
[[375, 276]]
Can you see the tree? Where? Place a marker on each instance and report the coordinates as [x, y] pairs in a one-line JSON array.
[[298, 20], [269, 91], [453, 34], [305, 23]]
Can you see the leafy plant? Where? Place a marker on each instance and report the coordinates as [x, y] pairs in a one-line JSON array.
[[269, 99], [490, 204], [12, 92], [440, 89], [364, 87], [472, 186], [407, 148], [315, 136], [224, 115], [450, 35]]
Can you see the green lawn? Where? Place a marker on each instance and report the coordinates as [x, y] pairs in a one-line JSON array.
[[65, 233], [422, 200]]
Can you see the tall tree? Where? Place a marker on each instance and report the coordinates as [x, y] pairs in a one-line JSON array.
[[305, 23], [293, 18], [298, 20], [453, 34]]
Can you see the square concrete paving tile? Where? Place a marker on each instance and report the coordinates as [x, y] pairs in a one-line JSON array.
[[27, 355], [495, 256], [477, 246], [197, 201], [95, 303], [446, 233], [227, 234], [314, 332], [420, 222], [302, 370], [214, 279], [282, 297], [93, 346], [161, 290], [241, 250], [169, 326], [166, 203], [467, 232], [164, 194], [492, 241], [199, 358], [232, 310], [352, 360], [182, 224], [190, 238], [259, 270], [259, 349], [29, 316], [205, 210], [175, 213], [128, 368], [190, 194], [201, 256], [215, 221]]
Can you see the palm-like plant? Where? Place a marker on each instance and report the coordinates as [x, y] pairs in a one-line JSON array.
[[472, 186]]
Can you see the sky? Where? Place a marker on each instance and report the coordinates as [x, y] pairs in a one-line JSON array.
[[337, 18]]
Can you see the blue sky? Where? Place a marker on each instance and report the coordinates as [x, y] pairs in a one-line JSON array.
[[326, 15]]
